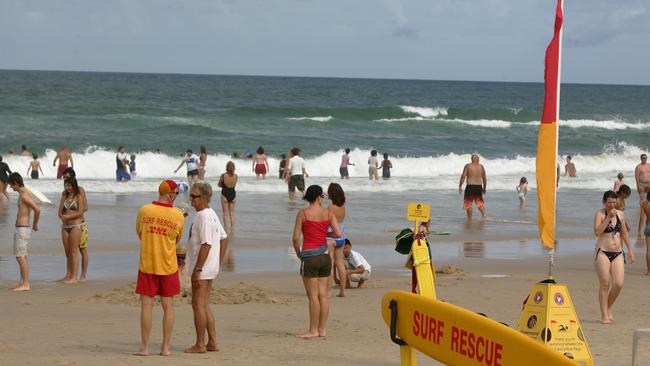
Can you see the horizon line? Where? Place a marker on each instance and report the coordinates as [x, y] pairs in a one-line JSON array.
[[318, 77]]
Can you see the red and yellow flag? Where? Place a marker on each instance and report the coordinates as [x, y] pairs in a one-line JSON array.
[[546, 164]]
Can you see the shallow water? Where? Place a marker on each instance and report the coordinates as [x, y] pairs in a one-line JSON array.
[[122, 265]]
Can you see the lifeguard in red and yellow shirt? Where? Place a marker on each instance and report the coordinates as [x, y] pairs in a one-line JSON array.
[[159, 226]]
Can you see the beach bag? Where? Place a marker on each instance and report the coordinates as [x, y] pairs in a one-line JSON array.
[[404, 241]]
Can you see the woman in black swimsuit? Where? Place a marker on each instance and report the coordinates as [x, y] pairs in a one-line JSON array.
[[227, 182], [611, 229]]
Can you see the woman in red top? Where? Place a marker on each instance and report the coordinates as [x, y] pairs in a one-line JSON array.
[[315, 263]]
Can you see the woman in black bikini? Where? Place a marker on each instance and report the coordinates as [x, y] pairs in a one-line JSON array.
[[71, 209], [227, 182], [611, 229]]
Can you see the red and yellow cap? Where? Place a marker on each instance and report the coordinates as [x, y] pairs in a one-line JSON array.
[[167, 186]]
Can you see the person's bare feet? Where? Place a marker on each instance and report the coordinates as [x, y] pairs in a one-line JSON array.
[[24, 287], [308, 335], [196, 349], [361, 282], [607, 321], [82, 279], [212, 347], [165, 353], [63, 279], [69, 281], [142, 352]]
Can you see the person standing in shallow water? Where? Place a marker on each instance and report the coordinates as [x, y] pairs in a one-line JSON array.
[[345, 162], [611, 229], [385, 167], [203, 159], [35, 167], [645, 206], [522, 190], [476, 186], [260, 163], [227, 183], [373, 164]]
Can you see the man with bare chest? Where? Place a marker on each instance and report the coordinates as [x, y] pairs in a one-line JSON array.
[[642, 177], [23, 228], [476, 186], [64, 157]]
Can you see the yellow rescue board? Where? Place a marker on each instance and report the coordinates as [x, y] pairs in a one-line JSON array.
[[36, 193], [457, 336]]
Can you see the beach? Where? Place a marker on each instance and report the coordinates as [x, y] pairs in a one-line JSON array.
[[97, 322], [260, 304], [428, 128]]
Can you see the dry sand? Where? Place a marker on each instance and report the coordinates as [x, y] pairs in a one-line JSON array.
[[258, 315]]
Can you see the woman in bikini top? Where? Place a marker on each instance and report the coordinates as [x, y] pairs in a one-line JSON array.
[[71, 209], [611, 230]]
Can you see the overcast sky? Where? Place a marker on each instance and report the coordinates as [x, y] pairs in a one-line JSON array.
[[605, 41]]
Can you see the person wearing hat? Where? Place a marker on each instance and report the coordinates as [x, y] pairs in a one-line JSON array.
[[159, 226]]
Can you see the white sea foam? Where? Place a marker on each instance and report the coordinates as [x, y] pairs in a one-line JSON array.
[[317, 119], [426, 112], [96, 171], [404, 119], [483, 123]]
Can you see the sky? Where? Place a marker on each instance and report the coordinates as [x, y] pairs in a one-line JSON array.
[[605, 41]]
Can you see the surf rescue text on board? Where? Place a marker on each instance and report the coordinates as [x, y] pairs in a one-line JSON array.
[[463, 342]]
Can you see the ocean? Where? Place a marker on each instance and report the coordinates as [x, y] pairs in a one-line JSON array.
[[428, 128]]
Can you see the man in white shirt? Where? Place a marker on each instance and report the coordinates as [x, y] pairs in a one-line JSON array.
[[206, 248], [192, 162], [296, 174], [358, 269]]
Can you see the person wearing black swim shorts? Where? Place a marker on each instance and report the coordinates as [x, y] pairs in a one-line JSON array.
[[474, 172], [611, 229]]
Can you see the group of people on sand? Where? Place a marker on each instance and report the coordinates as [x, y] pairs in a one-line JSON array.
[[325, 254], [74, 233], [159, 227]]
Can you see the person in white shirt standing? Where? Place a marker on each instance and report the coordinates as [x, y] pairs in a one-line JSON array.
[[295, 174], [192, 162], [206, 249], [373, 165], [358, 269]]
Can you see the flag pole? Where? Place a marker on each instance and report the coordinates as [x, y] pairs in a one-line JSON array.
[[551, 252]]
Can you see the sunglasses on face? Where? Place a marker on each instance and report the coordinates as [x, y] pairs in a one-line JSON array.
[[195, 196]]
